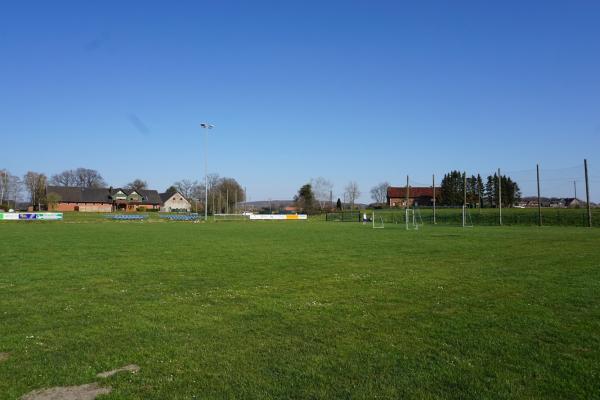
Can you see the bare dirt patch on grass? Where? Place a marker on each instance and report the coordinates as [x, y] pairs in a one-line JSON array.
[[88, 391], [4, 356], [131, 368]]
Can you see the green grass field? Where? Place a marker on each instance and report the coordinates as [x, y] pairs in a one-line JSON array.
[[300, 310]]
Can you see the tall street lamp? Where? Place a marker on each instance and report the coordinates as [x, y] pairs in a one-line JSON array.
[[206, 128]]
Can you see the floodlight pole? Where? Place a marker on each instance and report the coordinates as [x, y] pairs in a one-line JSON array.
[[206, 127]]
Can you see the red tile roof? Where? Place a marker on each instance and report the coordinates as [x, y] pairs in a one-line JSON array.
[[400, 192]]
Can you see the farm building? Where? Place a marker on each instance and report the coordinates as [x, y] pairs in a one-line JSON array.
[[417, 196], [174, 202], [66, 198], [571, 202]]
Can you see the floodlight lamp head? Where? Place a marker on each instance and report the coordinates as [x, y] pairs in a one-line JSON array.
[[207, 126]]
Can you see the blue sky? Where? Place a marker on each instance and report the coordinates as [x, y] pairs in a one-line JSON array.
[[350, 90]]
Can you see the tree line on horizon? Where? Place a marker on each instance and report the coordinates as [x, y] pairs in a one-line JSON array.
[[451, 193], [317, 196], [478, 193], [223, 192]]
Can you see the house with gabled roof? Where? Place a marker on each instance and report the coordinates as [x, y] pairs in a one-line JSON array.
[[132, 199], [417, 196], [174, 202], [67, 198]]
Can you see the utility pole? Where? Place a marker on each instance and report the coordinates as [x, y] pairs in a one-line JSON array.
[[500, 195], [539, 198], [433, 183], [575, 188], [587, 193]]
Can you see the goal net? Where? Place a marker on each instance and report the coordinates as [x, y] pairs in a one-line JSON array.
[[412, 218], [467, 221], [377, 221]]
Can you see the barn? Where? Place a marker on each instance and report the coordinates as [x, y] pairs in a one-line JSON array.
[[174, 202], [67, 198], [417, 196]]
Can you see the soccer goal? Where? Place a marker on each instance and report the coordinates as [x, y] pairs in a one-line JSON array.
[[412, 219], [377, 221], [230, 217], [467, 221]]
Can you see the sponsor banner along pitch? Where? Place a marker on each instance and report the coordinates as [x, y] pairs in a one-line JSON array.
[[272, 217], [38, 216]]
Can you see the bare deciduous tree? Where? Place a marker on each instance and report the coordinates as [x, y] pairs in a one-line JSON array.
[[186, 187], [379, 192], [230, 192], [65, 178], [351, 193], [35, 183], [321, 189], [89, 178], [80, 177], [137, 184], [14, 187], [223, 193], [4, 184]]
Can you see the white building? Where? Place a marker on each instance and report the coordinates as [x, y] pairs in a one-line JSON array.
[[173, 202]]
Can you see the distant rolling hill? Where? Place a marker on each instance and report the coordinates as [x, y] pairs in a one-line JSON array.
[[277, 204]]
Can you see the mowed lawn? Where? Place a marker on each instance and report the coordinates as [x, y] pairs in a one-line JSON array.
[[300, 310]]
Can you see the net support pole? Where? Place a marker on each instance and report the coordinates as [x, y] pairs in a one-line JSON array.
[[464, 197], [587, 193], [500, 196], [538, 195], [433, 183], [407, 189]]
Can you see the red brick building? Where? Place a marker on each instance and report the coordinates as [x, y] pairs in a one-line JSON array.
[[66, 198], [417, 196]]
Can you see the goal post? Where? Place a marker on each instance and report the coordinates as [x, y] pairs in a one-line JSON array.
[[467, 221], [412, 218], [377, 221]]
